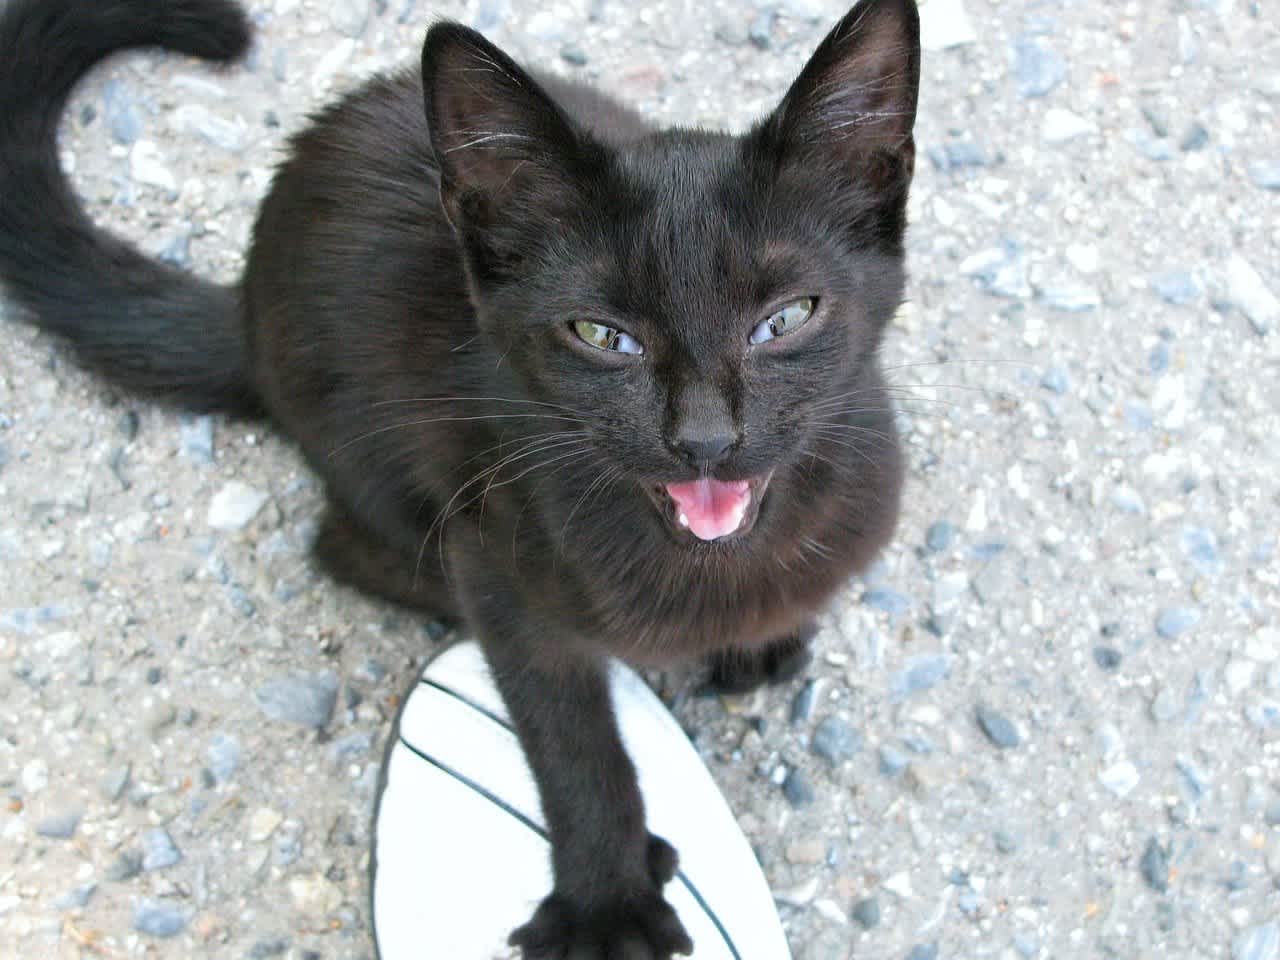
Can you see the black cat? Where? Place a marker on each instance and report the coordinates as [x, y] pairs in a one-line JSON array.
[[589, 387]]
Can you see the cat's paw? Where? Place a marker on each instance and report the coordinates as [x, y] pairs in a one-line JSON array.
[[635, 927], [741, 671]]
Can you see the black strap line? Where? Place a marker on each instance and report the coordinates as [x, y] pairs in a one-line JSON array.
[[531, 824]]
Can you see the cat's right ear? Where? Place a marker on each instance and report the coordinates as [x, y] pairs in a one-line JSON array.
[[497, 135]]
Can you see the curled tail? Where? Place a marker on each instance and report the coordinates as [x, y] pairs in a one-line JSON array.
[[140, 323]]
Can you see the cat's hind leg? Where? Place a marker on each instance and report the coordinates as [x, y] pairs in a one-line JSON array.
[[352, 554], [740, 671]]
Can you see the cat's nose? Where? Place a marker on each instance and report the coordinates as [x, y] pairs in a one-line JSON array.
[[703, 449]]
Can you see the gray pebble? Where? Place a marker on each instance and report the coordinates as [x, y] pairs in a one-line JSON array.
[[121, 111], [797, 788], [1055, 380], [893, 761], [349, 17], [1173, 622], [1128, 500], [924, 951], [1000, 271], [574, 55], [921, 673], [835, 741], [1258, 943], [1266, 174], [273, 947], [1158, 359], [1006, 842], [196, 436], [1108, 658], [939, 536], [890, 601], [867, 913], [957, 155], [1201, 547], [352, 745], [128, 425], [490, 14], [223, 756], [304, 699], [802, 703], [1177, 287], [1196, 138], [761, 30], [125, 867], [60, 826], [77, 898], [998, 728], [1265, 715], [1037, 69], [157, 918], [1155, 866], [158, 850]]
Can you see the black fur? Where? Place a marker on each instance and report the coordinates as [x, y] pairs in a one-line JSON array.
[[406, 316]]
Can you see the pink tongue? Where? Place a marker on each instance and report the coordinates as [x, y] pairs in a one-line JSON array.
[[711, 508]]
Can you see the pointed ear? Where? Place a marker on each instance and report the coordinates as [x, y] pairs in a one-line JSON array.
[[495, 132], [853, 106]]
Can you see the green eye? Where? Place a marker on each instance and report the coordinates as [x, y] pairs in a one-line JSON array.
[[606, 338], [786, 320]]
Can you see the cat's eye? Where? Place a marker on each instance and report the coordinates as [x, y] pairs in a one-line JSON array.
[[786, 319], [606, 338]]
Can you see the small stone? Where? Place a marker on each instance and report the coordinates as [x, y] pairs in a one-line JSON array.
[[1158, 359], [1264, 715], [1265, 174], [1250, 294], [272, 947], [899, 884], [314, 895], [60, 826], [998, 728], [958, 155], [797, 788], [1071, 298], [806, 851], [890, 601], [924, 951], [892, 760], [1177, 287], [867, 913], [1108, 658], [939, 536], [1001, 271], [234, 506], [263, 823], [921, 673], [1173, 622], [1257, 943], [1060, 126], [1165, 706], [223, 756], [1056, 380], [760, 33], [77, 898], [156, 918], [349, 17], [573, 55], [200, 121], [1037, 69], [158, 850], [1201, 547], [1128, 500], [802, 703], [125, 867], [1006, 842], [1120, 778], [146, 167], [1155, 866], [835, 741], [120, 109], [304, 699], [1196, 138]]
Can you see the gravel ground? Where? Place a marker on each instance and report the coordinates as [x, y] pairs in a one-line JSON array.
[[1047, 725]]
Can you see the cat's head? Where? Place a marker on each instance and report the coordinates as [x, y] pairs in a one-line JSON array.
[[706, 302]]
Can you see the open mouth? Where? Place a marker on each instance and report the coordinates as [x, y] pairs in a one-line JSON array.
[[709, 509]]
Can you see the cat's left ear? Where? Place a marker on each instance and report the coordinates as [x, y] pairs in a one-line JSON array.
[[852, 109], [497, 135]]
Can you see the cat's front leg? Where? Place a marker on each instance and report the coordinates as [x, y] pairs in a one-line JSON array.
[[609, 871], [740, 671]]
